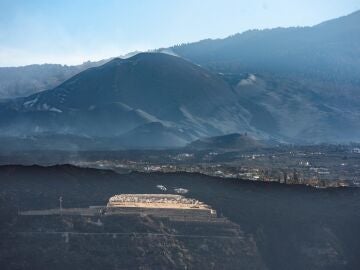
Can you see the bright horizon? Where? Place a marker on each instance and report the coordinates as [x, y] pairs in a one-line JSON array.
[[64, 32]]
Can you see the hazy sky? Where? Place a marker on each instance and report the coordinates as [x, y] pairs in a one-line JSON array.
[[73, 31]]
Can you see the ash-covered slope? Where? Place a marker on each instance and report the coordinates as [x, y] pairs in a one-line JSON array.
[[156, 83], [300, 83], [185, 100], [301, 110]]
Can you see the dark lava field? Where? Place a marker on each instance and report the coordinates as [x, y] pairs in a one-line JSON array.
[[271, 226]]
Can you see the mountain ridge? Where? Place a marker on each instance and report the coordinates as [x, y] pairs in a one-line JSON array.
[[314, 51]]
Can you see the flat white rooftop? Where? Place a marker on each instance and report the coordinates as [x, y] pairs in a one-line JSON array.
[[170, 201]]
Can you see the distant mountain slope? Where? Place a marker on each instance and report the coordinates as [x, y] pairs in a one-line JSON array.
[[301, 84], [299, 109], [330, 50], [26, 80], [123, 96]]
